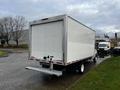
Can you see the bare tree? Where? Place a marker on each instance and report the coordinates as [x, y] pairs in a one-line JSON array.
[[2, 33], [12, 28], [19, 24], [6, 28], [1, 29]]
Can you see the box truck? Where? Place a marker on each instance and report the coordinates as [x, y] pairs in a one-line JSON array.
[[60, 43]]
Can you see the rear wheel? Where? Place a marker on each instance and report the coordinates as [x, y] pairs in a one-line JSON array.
[[82, 68], [95, 59]]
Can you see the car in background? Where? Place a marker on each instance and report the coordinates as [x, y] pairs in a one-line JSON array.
[[116, 51]]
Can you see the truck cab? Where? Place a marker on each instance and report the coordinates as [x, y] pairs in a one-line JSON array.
[[104, 48], [104, 45]]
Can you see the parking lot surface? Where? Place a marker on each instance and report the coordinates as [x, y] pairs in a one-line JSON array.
[[14, 76]]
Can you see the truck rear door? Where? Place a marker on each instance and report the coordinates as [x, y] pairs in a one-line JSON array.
[[46, 40]]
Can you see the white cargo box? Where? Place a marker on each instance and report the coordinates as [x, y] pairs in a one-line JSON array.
[[63, 37]]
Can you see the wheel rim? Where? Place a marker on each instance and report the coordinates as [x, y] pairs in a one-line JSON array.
[[96, 58], [82, 68]]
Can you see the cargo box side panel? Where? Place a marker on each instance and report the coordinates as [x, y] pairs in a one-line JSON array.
[[47, 40], [81, 41]]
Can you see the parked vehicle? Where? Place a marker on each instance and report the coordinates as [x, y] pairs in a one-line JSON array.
[[104, 45], [116, 51], [104, 48], [61, 43]]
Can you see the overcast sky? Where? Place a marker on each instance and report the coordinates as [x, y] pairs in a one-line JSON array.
[[101, 15]]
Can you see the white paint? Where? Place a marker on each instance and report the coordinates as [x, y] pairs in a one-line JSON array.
[[81, 41], [104, 45], [47, 40]]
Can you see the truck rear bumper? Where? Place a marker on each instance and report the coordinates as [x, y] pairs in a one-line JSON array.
[[47, 71]]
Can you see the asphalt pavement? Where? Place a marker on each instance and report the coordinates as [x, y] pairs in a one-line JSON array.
[[14, 76]]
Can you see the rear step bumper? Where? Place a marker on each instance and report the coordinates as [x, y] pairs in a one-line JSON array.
[[47, 71]]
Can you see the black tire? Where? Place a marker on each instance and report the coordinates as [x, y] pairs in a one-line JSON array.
[[95, 59]]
